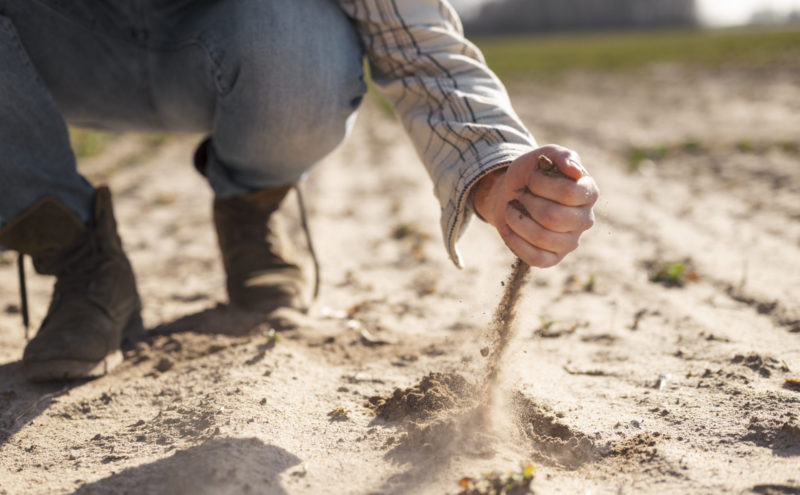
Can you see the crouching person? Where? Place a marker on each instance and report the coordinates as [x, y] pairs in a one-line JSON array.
[[275, 85]]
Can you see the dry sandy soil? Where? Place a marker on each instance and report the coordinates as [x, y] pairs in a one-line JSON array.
[[613, 384]]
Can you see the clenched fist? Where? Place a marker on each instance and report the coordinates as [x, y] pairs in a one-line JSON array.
[[540, 216]]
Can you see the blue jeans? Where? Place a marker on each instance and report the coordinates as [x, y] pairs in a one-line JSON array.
[[274, 83]]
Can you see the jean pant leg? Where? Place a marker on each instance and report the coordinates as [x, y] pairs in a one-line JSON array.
[[36, 160], [289, 78]]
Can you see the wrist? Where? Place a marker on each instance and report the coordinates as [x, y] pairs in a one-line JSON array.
[[483, 194]]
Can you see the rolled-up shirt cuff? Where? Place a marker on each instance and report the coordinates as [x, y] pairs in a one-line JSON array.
[[458, 209]]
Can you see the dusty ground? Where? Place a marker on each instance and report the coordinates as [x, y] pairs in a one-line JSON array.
[[619, 384]]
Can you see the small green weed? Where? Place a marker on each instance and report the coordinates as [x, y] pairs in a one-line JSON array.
[[671, 273], [745, 146], [495, 483], [590, 284], [272, 337]]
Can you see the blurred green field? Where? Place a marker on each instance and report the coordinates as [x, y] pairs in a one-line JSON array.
[[521, 56], [529, 55], [87, 143]]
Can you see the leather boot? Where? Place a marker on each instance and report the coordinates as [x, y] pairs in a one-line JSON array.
[[260, 263], [94, 301]]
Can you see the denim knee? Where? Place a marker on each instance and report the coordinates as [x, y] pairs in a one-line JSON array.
[[289, 79]]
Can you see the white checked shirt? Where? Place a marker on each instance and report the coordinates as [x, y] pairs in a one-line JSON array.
[[455, 110]]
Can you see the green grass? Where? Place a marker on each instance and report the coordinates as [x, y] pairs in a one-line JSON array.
[[656, 153], [532, 55], [87, 143]]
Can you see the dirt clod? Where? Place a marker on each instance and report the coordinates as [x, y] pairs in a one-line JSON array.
[[164, 364], [763, 365], [640, 448], [338, 414], [435, 392], [553, 440]]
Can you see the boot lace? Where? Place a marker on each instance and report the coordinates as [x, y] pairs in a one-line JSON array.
[[73, 271], [23, 295], [304, 223]]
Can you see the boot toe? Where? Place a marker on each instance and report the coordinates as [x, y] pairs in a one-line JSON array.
[[71, 350]]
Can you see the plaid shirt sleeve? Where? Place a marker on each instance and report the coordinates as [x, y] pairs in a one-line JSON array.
[[455, 110]]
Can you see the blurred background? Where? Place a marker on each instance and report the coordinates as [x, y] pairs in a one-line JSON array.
[[502, 16], [612, 34], [669, 338]]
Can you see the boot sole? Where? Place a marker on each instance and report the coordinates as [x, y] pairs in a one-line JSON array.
[[67, 369], [73, 369]]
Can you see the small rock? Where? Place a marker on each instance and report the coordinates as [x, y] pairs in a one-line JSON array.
[[164, 364]]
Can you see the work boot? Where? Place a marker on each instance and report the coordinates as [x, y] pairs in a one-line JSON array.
[[260, 263], [94, 302]]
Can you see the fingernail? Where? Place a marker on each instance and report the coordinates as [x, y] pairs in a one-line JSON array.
[[578, 166], [505, 230]]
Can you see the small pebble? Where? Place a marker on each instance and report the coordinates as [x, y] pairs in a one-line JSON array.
[[164, 364]]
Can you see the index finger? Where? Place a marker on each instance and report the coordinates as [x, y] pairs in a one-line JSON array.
[[562, 190]]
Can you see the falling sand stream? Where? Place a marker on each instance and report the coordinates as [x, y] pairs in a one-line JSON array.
[[439, 392], [502, 329]]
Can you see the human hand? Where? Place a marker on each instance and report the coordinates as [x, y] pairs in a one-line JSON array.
[[540, 216]]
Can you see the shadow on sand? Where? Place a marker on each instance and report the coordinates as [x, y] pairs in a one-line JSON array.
[[21, 402], [218, 466], [225, 320]]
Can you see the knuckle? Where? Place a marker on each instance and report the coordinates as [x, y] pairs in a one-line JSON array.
[[590, 222], [593, 195], [567, 154], [537, 261], [548, 261], [590, 190], [543, 259], [549, 217], [550, 148], [573, 243]]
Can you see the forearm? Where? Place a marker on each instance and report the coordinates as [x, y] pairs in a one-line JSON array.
[[453, 107]]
